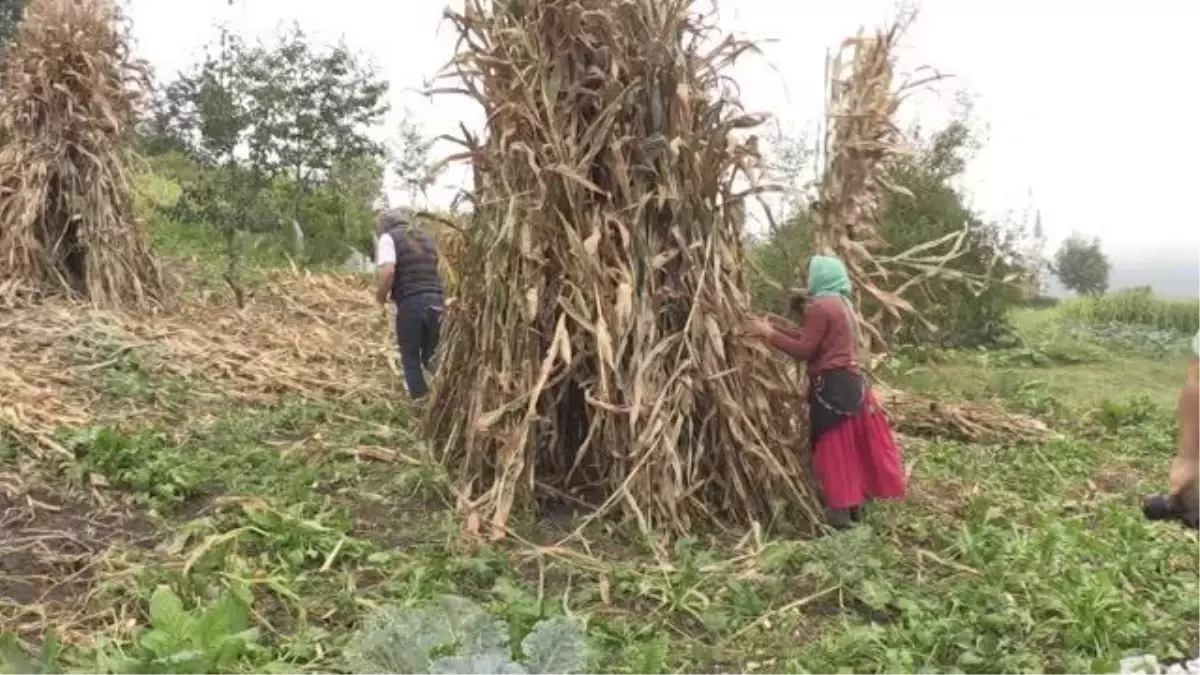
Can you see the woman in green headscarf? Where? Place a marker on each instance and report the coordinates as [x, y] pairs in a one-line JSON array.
[[855, 456]]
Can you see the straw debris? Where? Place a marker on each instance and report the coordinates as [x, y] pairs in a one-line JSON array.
[[56, 548], [308, 337], [927, 417], [67, 226], [589, 357]]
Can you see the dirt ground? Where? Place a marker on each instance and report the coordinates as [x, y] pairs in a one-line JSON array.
[[52, 548]]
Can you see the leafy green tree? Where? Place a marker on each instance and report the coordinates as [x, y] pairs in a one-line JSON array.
[[274, 129], [311, 109], [928, 207], [1081, 265], [341, 208], [205, 116]]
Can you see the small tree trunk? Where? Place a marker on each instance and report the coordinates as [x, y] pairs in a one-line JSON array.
[[297, 231], [230, 276], [297, 237]]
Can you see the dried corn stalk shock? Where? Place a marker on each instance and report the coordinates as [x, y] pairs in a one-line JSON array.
[[862, 146], [592, 354], [67, 109]]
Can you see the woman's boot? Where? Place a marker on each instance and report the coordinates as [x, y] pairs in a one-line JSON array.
[[839, 519]]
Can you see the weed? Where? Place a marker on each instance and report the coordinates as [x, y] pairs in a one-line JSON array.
[[210, 639], [1135, 411]]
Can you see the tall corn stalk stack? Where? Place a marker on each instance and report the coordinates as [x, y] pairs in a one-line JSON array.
[[67, 111], [593, 355], [862, 146]]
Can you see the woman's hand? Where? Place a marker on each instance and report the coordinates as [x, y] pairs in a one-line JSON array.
[[759, 327]]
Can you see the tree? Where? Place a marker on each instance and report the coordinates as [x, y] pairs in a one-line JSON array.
[[205, 115], [311, 109], [269, 122], [1081, 265], [932, 208], [343, 205], [410, 158]]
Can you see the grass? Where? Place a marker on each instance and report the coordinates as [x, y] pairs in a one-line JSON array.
[[1059, 369], [235, 538]]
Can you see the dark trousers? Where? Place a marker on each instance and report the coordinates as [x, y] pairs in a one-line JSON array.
[[418, 321]]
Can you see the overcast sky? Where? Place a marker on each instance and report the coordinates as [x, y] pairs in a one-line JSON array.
[[1088, 106]]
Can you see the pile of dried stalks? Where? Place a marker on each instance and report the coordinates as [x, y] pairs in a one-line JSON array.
[[67, 108], [927, 417], [590, 356], [862, 146], [317, 337]]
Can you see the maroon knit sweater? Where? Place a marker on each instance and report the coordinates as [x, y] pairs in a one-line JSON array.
[[825, 341]]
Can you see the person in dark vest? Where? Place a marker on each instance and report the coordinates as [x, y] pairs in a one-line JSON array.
[[407, 261]]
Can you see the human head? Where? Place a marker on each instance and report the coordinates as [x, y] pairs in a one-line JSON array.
[[827, 277], [392, 218]]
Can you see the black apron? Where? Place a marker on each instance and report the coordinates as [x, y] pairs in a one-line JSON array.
[[834, 397]]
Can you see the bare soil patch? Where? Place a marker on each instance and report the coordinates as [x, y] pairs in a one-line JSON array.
[[54, 549]]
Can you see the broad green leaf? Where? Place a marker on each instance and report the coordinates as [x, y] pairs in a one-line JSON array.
[[225, 617], [469, 626], [478, 664], [557, 645], [166, 609]]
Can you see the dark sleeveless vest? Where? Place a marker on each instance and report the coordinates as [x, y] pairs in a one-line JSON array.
[[416, 269]]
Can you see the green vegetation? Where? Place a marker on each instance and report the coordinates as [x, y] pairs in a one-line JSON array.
[[262, 538], [10, 19], [274, 141], [1137, 307], [216, 490]]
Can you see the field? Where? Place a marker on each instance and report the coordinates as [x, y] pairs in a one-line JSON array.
[[265, 457], [1136, 307]]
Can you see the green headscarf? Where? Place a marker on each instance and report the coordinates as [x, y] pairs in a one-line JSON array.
[[827, 278]]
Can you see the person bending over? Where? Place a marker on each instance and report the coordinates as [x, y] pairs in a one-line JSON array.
[[407, 261]]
